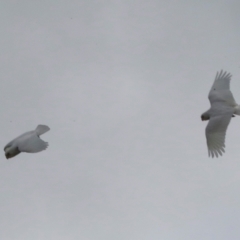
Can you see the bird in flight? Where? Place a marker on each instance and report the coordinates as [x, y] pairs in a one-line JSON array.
[[27, 142], [223, 108]]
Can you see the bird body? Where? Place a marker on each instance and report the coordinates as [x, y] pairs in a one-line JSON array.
[[27, 142], [223, 107]]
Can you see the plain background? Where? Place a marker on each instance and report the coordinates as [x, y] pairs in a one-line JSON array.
[[122, 85]]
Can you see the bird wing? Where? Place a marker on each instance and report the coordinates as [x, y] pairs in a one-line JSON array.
[[216, 132], [31, 143], [220, 90], [222, 81]]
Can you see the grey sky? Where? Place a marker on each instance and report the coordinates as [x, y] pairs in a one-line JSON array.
[[122, 85]]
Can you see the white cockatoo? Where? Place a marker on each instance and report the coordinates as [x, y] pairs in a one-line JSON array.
[[28, 142], [223, 108]]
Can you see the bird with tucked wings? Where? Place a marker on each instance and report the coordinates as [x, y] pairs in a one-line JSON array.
[[29, 142]]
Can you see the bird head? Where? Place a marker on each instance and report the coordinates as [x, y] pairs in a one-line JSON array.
[[205, 117], [11, 151]]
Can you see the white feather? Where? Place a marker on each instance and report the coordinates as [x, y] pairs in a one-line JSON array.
[[41, 129]]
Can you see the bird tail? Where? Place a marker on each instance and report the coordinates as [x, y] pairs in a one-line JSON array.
[[237, 110], [41, 129]]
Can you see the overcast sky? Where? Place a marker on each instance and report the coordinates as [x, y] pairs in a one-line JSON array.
[[122, 85]]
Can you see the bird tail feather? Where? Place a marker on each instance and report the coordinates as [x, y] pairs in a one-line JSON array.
[[41, 129]]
